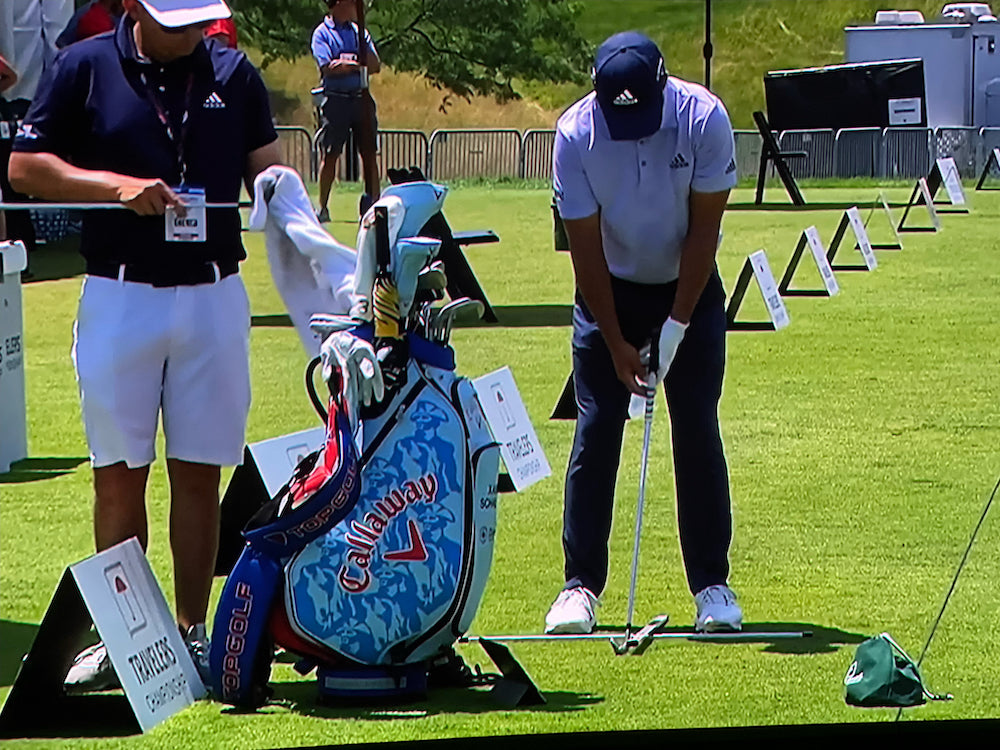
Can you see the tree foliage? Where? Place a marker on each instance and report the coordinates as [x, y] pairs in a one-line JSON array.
[[462, 46]]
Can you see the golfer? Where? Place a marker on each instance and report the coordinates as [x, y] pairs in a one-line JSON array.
[[151, 117], [642, 170]]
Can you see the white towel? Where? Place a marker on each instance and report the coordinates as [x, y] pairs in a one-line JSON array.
[[311, 270]]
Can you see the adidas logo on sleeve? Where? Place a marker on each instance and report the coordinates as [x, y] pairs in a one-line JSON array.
[[679, 162], [214, 101]]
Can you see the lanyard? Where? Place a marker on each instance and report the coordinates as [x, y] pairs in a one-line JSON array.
[[177, 139]]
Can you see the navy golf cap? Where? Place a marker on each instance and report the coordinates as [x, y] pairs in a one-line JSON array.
[[629, 76]]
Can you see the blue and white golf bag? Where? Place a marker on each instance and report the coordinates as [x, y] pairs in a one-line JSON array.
[[391, 578]]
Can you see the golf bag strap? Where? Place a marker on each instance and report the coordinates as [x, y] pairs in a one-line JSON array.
[[238, 658]]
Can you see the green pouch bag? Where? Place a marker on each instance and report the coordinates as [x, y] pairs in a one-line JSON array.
[[882, 674]]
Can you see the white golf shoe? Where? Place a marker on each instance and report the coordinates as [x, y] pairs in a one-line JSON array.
[[91, 671], [198, 645], [717, 610], [572, 612]]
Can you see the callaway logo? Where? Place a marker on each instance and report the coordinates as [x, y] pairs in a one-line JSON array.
[[214, 101], [853, 675], [679, 162], [625, 99]]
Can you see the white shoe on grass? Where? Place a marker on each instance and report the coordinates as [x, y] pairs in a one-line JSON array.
[[572, 612], [198, 645], [717, 610], [91, 671]]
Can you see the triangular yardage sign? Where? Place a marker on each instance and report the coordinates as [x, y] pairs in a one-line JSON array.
[[809, 238], [851, 218], [756, 267], [992, 162], [881, 202], [114, 590], [945, 172], [921, 195]]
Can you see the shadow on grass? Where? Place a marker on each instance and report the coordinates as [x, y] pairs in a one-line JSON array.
[[302, 697], [37, 469], [813, 206], [820, 640], [15, 641], [55, 260], [510, 316]]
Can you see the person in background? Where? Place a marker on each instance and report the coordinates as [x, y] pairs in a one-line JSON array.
[[162, 330], [96, 16], [224, 32], [642, 169], [335, 49], [28, 29]]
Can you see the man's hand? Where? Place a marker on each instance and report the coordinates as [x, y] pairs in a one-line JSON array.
[[629, 367], [671, 333], [147, 197]]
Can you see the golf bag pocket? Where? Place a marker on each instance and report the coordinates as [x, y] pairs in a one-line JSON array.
[[393, 582]]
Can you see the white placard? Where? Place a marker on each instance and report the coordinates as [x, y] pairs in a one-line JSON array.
[[277, 457], [952, 181], [511, 428], [769, 290], [904, 111], [861, 235], [925, 191], [822, 262], [134, 622], [13, 406]]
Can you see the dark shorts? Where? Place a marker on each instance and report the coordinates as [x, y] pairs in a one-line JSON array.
[[341, 115]]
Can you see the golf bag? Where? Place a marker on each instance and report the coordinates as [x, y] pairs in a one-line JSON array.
[[385, 570]]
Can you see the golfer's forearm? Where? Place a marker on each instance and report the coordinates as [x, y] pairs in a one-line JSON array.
[[594, 282], [49, 177], [697, 265]]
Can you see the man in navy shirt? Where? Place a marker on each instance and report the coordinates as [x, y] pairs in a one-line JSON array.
[[335, 49], [642, 169], [156, 119]]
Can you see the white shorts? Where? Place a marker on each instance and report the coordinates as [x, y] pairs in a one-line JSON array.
[[182, 351]]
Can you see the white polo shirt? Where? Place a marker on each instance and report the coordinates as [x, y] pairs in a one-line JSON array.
[[641, 187]]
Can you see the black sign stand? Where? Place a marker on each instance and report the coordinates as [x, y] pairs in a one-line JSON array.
[[771, 153], [37, 705], [934, 181], [992, 161], [739, 292], [784, 286]]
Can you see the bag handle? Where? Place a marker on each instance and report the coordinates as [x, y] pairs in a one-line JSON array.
[[927, 693]]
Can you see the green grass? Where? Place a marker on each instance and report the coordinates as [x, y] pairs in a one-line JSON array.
[[862, 443]]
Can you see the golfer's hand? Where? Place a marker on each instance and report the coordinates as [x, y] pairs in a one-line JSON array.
[[629, 367], [671, 334], [147, 197]]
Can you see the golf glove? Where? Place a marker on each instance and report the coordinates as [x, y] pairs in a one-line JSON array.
[[360, 375], [671, 334]]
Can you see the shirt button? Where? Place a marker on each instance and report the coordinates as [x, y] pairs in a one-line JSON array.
[[162, 89], [643, 163]]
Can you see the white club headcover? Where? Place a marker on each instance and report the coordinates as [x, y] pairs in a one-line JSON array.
[[422, 200], [409, 256], [360, 374], [364, 271]]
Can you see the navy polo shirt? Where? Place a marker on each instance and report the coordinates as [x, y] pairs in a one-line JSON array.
[[93, 110], [329, 41]]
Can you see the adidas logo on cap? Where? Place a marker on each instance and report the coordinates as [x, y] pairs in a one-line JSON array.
[[625, 99], [679, 162], [214, 101]]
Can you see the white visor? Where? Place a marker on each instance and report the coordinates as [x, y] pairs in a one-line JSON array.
[[176, 13]]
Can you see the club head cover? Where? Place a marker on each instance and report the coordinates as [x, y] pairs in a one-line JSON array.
[[409, 257], [422, 199], [366, 264]]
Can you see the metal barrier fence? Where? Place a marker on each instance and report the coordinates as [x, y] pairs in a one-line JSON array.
[[895, 153], [536, 154], [474, 153]]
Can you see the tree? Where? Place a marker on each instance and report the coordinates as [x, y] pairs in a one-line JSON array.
[[462, 46]]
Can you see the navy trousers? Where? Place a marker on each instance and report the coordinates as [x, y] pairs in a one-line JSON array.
[[693, 387]]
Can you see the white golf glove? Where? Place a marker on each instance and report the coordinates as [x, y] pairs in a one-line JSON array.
[[671, 334], [360, 374]]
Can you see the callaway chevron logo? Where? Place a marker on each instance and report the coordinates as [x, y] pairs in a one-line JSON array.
[[679, 162], [214, 101], [625, 99]]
